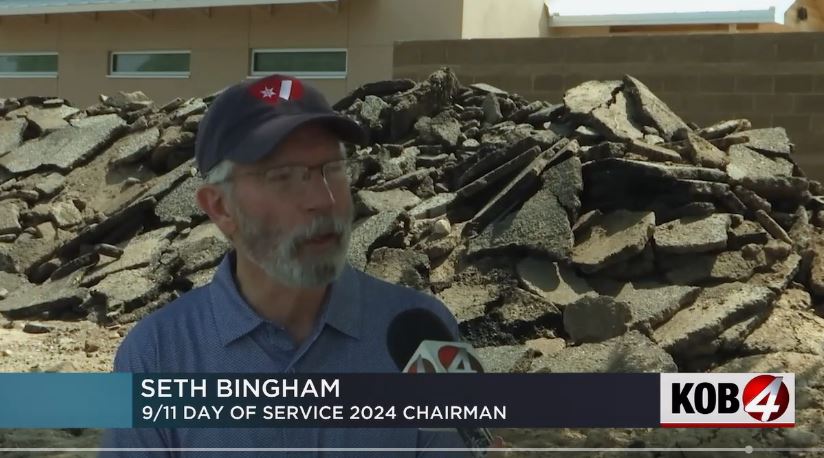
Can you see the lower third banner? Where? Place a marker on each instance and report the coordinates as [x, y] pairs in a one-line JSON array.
[[122, 400]]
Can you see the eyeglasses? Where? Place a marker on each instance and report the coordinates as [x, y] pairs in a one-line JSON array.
[[293, 179]]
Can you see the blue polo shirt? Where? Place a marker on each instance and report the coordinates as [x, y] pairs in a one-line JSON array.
[[213, 329]]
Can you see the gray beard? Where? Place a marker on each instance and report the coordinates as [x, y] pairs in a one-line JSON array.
[[275, 251]]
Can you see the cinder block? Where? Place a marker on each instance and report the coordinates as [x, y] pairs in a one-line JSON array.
[[406, 54], [759, 84], [775, 103], [809, 103], [796, 125], [716, 83], [793, 83], [548, 82], [795, 47]]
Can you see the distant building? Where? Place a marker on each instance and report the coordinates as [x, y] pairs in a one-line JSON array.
[[580, 18], [77, 49]]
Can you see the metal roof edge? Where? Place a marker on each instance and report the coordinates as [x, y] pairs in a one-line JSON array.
[[707, 17], [133, 6]]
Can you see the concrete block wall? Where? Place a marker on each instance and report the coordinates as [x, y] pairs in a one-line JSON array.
[[773, 79]]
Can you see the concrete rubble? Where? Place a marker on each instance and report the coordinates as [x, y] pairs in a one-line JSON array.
[[601, 234]]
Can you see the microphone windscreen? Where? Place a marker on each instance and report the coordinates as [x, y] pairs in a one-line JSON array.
[[411, 327]]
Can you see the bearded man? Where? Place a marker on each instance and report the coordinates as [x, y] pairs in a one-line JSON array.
[[283, 299]]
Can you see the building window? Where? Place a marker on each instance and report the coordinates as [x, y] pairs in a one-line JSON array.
[[305, 63], [27, 65], [158, 64]]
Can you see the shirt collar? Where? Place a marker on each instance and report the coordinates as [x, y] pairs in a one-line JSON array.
[[235, 318]]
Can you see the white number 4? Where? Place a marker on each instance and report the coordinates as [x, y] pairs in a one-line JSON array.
[[755, 406]]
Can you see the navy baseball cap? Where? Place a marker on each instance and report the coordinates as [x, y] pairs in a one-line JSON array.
[[250, 119]]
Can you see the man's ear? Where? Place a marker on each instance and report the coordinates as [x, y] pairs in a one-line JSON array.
[[215, 203]]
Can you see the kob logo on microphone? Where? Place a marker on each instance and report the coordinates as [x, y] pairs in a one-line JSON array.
[[443, 357], [709, 400]]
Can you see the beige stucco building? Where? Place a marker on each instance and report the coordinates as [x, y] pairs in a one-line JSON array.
[[77, 49], [200, 49]]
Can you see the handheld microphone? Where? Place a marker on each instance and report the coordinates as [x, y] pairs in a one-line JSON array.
[[419, 342]]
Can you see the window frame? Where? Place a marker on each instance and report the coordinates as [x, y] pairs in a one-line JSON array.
[[53, 74], [305, 75], [114, 74]]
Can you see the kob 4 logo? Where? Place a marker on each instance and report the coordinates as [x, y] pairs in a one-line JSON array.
[[727, 400]]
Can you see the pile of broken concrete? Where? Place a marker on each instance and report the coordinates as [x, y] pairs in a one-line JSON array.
[[603, 233]]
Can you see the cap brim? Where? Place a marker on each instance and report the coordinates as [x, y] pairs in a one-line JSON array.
[[268, 136]]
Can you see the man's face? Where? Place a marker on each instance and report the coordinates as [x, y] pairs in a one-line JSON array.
[[299, 237]]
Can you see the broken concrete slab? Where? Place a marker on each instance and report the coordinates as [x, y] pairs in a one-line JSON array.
[[366, 233], [615, 237], [613, 121], [403, 267], [703, 153], [697, 269], [525, 183], [792, 326], [540, 226], [565, 181], [654, 152], [65, 148], [646, 170], [372, 113], [433, 207], [126, 290], [744, 162], [9, 218], [772, 140], [780, 274], [443, 129], [650, 303], [134, 147], [506, 358], [582, 99], [752, 200], [137, 252], [65, 214], [637, 267], [204, 247], [47, 121], [546, 346], [47, 297], [693, 235], [477, 167], [179, 204], [746, 233], [714, 310], [654, 111], [631, 352], [50, 185], [772, 227], [201, 277], [425, 99], [595, 319], [519, 308], [11, 134], [498, 174], [491, 109], [553, 281], [408, 180], [369, 203], [468, 302]]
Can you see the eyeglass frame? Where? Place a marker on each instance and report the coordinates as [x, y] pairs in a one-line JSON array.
[[306, 169]]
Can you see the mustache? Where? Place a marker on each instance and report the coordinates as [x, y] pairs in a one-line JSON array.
[[321, 225]]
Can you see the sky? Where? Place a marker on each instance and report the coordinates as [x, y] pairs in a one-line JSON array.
[[604, 7]]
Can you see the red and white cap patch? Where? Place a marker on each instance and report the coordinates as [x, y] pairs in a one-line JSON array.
[[276, 88]]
